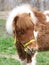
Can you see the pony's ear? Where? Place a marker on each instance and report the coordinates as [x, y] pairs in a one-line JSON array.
[[15, 19], [29, 14]]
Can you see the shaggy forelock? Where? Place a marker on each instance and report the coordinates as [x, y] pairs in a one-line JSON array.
[[24, 21]]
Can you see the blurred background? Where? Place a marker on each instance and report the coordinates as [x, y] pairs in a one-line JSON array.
[[8, 52], [9, 4]]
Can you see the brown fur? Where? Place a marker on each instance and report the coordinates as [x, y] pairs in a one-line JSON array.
[[40, 16], [43, 38], [43, 27], [41, 19]]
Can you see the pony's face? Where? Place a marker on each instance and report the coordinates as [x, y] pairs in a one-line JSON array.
[[24, 28]]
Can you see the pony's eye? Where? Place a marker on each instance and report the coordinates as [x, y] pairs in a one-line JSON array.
[[21, 32]]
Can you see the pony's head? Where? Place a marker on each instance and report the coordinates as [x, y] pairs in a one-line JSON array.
[[21, 23]]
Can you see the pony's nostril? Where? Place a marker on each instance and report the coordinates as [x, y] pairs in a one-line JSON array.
[[28, 51], [34, 50]]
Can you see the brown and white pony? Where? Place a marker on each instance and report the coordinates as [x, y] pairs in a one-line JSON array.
[[27, 25]]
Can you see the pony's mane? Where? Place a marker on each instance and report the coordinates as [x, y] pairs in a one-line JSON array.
[[25, 8]]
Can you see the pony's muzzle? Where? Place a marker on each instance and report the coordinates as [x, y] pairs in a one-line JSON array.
[[30, 51]]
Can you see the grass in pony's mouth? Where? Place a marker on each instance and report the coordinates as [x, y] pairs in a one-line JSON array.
[[8, 49]]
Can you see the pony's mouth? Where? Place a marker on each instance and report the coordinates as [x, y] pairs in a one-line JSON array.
[[31, 51], [26, 47]]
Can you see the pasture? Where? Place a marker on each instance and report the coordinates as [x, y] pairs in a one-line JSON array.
[[8, 53]]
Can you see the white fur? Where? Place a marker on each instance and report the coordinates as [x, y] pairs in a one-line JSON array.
[[33, 60], [47, 17], [35, 34], [24, 62], [25, 8], [46, 12], [29, 64]]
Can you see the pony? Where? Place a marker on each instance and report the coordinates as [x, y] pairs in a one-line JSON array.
[[27, 26]]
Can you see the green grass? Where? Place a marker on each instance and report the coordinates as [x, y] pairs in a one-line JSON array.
[[2, 21], [8, 48], [43, 58], [5, 61]]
